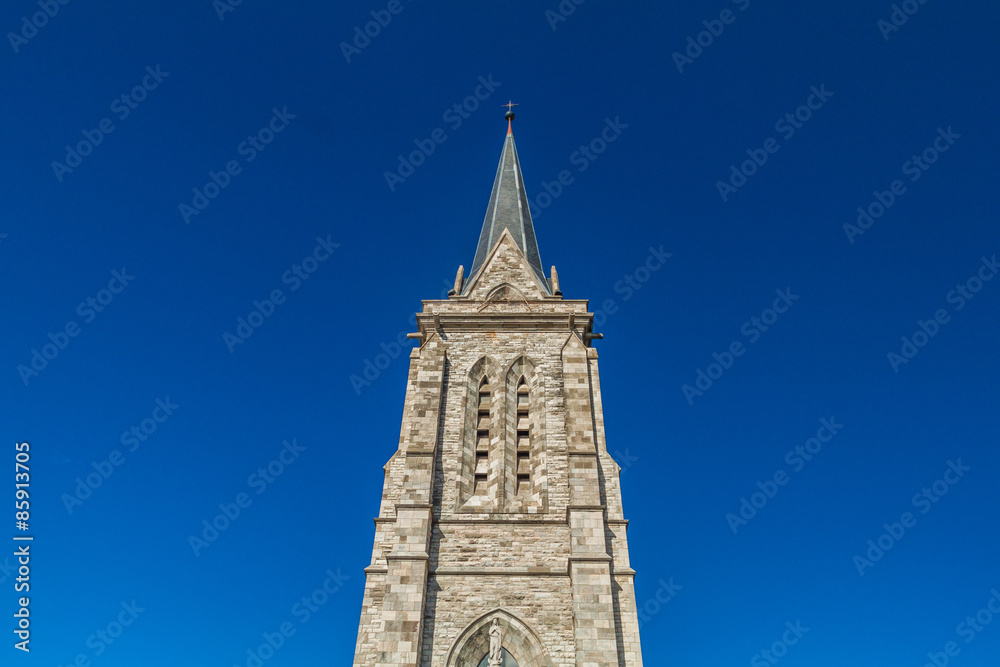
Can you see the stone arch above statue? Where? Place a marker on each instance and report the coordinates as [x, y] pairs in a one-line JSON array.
[[520, 646]]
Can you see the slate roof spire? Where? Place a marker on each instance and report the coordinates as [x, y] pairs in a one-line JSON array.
[[508, 209]]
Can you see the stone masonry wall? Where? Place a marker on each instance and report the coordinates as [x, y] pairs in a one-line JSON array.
[[554, 564]]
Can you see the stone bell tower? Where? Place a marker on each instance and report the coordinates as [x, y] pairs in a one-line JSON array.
[[500, 539]]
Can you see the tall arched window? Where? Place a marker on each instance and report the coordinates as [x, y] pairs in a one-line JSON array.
[[523, 468], [482, 463], [508, 660]]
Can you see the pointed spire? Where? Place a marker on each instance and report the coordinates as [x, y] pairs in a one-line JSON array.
[[508, 209]]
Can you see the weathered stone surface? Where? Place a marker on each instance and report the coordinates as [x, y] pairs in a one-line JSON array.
[[499, 503]]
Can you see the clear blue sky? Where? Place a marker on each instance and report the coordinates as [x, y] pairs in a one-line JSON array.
[[328, 123]]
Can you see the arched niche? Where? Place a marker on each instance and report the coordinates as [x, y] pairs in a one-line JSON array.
[[519, 641], [481, 473]]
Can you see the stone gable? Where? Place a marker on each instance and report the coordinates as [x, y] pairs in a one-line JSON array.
[[506, 265]]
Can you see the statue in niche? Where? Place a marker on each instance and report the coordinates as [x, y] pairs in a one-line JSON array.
[[496, 641]]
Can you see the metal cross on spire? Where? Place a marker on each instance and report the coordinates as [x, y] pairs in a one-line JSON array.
[[509, 115]]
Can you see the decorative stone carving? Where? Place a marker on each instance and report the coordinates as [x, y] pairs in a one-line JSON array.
[[505, 297], [496, 644]]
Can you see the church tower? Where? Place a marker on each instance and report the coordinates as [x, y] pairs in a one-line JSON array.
[[500, 539]]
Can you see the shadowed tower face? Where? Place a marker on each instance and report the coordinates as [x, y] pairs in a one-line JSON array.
[[501, 539]]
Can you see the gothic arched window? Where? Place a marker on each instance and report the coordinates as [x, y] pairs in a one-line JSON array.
[[482, 462], [523, 430], [508, 660]]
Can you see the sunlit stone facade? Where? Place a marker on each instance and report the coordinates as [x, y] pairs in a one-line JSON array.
[[501, 502]]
